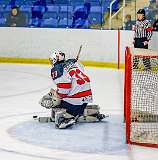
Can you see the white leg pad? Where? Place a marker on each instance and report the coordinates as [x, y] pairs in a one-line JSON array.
[[91, 110]]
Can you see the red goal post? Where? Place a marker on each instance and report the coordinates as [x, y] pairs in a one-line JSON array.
[[141, 96]]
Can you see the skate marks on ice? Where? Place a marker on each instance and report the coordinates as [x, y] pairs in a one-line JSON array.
[[106, 137], [22, 77], [16, 139]]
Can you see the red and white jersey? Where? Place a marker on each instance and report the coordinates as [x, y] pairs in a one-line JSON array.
[[73, 85]]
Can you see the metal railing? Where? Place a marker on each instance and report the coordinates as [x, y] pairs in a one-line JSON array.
[[120, 9]]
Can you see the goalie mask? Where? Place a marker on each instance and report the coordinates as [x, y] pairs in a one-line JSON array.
[[56, 57]]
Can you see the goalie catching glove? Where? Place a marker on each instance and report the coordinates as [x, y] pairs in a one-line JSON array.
[[50, 100]]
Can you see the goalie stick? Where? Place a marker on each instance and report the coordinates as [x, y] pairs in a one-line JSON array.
[[79, 51]]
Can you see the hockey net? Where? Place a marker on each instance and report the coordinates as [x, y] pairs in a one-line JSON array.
[[141, 97]]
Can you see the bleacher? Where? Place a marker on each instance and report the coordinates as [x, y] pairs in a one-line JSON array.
[[58, 13]]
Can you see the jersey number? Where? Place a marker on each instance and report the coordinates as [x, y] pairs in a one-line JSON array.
[[54, 74], [81, 78]]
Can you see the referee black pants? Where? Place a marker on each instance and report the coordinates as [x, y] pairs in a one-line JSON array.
[[139, 43]]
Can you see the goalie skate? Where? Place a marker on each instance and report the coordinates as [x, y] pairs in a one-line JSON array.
[[91, 119], [65, 123], [100, 116], [64, 119]]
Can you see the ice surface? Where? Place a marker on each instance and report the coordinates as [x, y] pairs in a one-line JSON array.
[[83, 137], [21, 86]]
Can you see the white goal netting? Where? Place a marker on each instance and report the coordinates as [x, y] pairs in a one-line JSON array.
[[144, 96]]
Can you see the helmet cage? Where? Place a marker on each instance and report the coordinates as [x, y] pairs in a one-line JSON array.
[[56, 56]]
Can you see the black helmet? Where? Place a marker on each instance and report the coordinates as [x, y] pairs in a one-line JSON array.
[[141, 11]]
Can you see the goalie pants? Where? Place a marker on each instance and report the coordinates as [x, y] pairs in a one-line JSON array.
[[73, 109], [139, 43]]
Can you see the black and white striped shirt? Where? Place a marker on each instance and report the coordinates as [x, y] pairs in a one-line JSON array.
[[143, 29]]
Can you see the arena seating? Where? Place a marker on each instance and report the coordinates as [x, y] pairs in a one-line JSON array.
[[59, 12]]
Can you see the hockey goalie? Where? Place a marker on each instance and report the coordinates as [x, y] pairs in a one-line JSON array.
[[69, 102]]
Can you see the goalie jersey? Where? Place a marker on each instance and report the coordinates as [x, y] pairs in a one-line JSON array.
[[73, 85]]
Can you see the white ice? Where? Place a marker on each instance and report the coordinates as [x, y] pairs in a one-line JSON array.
[[22, 138]]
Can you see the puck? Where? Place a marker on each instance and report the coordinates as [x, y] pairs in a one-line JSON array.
[[35, 116]]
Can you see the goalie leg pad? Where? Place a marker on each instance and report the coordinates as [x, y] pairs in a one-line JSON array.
[[45, 119], [63, 119], [55, 110], [92, 114], [87, 119], [91, 110]]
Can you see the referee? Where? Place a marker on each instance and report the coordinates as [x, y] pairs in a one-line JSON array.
[[142, 36]]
